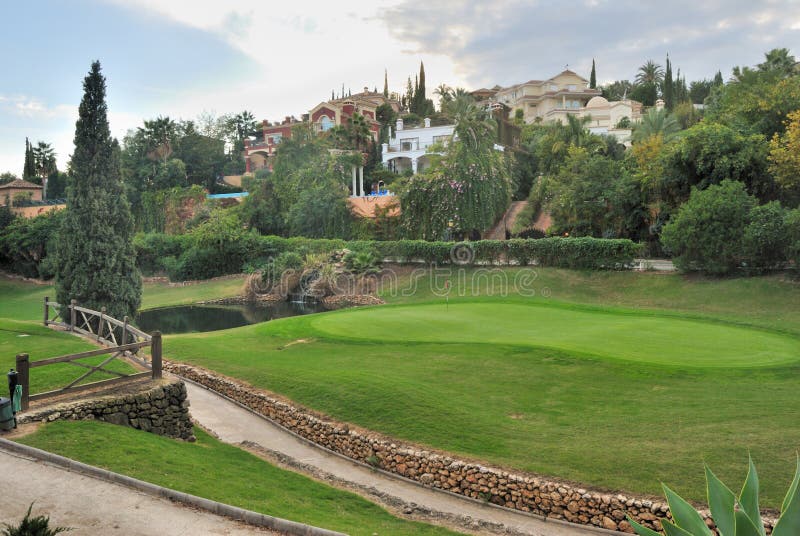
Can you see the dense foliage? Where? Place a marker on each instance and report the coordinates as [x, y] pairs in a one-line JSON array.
[[96, 259]]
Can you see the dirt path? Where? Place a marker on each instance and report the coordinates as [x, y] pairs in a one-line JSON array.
[[234, 424], [498, 232], [94, 506]]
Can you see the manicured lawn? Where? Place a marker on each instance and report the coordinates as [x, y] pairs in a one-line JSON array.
[[224, 473], [614, 399], [625, 335], [162, 295]]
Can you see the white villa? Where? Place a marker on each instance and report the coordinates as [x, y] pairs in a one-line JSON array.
[[408, 148]]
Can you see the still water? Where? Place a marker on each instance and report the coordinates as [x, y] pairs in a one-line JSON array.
[[197, 318]]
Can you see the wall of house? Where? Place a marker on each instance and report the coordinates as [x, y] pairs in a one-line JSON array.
[[32, 212]]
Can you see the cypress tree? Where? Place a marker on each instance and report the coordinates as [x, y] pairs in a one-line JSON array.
[[593, 77], [668, 88], [718, 79], [385, 83], [29, 168], [420, 95], [409, 95], [96, 259]]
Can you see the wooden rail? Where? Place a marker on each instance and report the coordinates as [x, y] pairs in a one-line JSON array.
[[120, 338]]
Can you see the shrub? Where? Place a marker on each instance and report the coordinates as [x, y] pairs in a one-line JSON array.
[[733, 516], [765, 239], [793, 237], [706, 234], [33, 526]]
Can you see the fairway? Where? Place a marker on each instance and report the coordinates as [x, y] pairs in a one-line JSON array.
[[646, 338]]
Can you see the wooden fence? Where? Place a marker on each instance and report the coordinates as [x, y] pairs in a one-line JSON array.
[[119, 337]]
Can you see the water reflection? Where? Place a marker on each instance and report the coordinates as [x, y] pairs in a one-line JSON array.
[[198, 318]]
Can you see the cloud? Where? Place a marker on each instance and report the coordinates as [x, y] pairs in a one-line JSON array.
[[32, 107], [509, 41]]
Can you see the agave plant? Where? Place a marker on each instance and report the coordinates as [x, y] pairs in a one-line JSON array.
[[733, 516]]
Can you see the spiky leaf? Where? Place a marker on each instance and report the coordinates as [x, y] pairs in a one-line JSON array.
[[789, 523], [673, 530], [640, 530], [745, 526], [722, 502], [685, 515], [748, 499]]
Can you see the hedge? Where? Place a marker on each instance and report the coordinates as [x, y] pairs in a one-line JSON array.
[[181, 258]]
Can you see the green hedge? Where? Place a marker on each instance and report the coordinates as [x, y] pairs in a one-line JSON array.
[[182, 258]]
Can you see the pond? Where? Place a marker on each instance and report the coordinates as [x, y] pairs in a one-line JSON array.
[[198, 318]]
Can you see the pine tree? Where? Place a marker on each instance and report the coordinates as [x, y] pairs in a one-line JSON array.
[[386, 83], [593, 77], [96, 260], [718, 79], [29, 168], [668, 87]]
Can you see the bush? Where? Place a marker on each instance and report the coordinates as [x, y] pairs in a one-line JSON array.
[[27, 245], [706, 234], [765, 238], [793, 237], [33, 526]]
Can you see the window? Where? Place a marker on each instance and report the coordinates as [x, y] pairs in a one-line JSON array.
[[409, 144], [325, 123], [572, 87], [276, 138]]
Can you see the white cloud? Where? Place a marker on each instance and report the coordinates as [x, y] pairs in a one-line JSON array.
[[32, 107]]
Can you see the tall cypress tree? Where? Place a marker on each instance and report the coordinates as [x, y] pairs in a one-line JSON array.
[[29, 168], [96, 260], [668, 88], [420, 94], [409, 95], [593, 77], [718, 81], [386, 83]]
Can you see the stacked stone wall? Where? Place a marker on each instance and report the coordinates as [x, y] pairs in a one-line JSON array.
[[162, 409], [519, 491]]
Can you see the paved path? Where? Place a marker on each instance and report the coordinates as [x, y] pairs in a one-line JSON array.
[[94, 506], [234, 424]]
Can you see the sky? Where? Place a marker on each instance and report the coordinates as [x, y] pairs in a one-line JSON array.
[[181, 58]]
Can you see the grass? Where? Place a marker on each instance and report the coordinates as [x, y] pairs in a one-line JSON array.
[[224, 473], [657, 375], [617, 379], [162, 295]]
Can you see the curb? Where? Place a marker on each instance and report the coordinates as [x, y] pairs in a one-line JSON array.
[[240, 514]]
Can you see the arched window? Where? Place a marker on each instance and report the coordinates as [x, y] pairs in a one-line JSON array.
[[325, 123]]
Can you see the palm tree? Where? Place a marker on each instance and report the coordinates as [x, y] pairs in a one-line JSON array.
[[474, 125], [445, 94], [44, 158], [656, 122], [778, 60], [650, 73], [159, 133], [358, 131]]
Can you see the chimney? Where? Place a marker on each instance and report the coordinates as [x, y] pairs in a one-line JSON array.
[[427, 122], [399, 124], [366, 89], [287, 120]]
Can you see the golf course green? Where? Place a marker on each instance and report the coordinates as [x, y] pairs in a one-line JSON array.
[[659, 339]]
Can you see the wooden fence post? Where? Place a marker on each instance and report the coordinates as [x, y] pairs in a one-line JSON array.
[[155, 352], [100, 325], [23, 377], [124, 338], [72, 315], [46, 312]]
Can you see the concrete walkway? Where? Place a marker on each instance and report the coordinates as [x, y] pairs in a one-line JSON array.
[[94, 506], [234, 424]]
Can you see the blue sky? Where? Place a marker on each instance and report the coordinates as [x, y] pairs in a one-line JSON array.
[[185, 57]]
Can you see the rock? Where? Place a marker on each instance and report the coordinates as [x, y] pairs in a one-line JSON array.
[[609, 523]]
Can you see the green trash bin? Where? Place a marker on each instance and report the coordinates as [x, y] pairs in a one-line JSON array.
[[7, 421]]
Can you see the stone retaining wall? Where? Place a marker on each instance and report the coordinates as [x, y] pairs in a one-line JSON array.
[[162, 409], [529, 493]]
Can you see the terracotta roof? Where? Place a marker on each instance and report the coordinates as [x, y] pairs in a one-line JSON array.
[[19, 183]]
